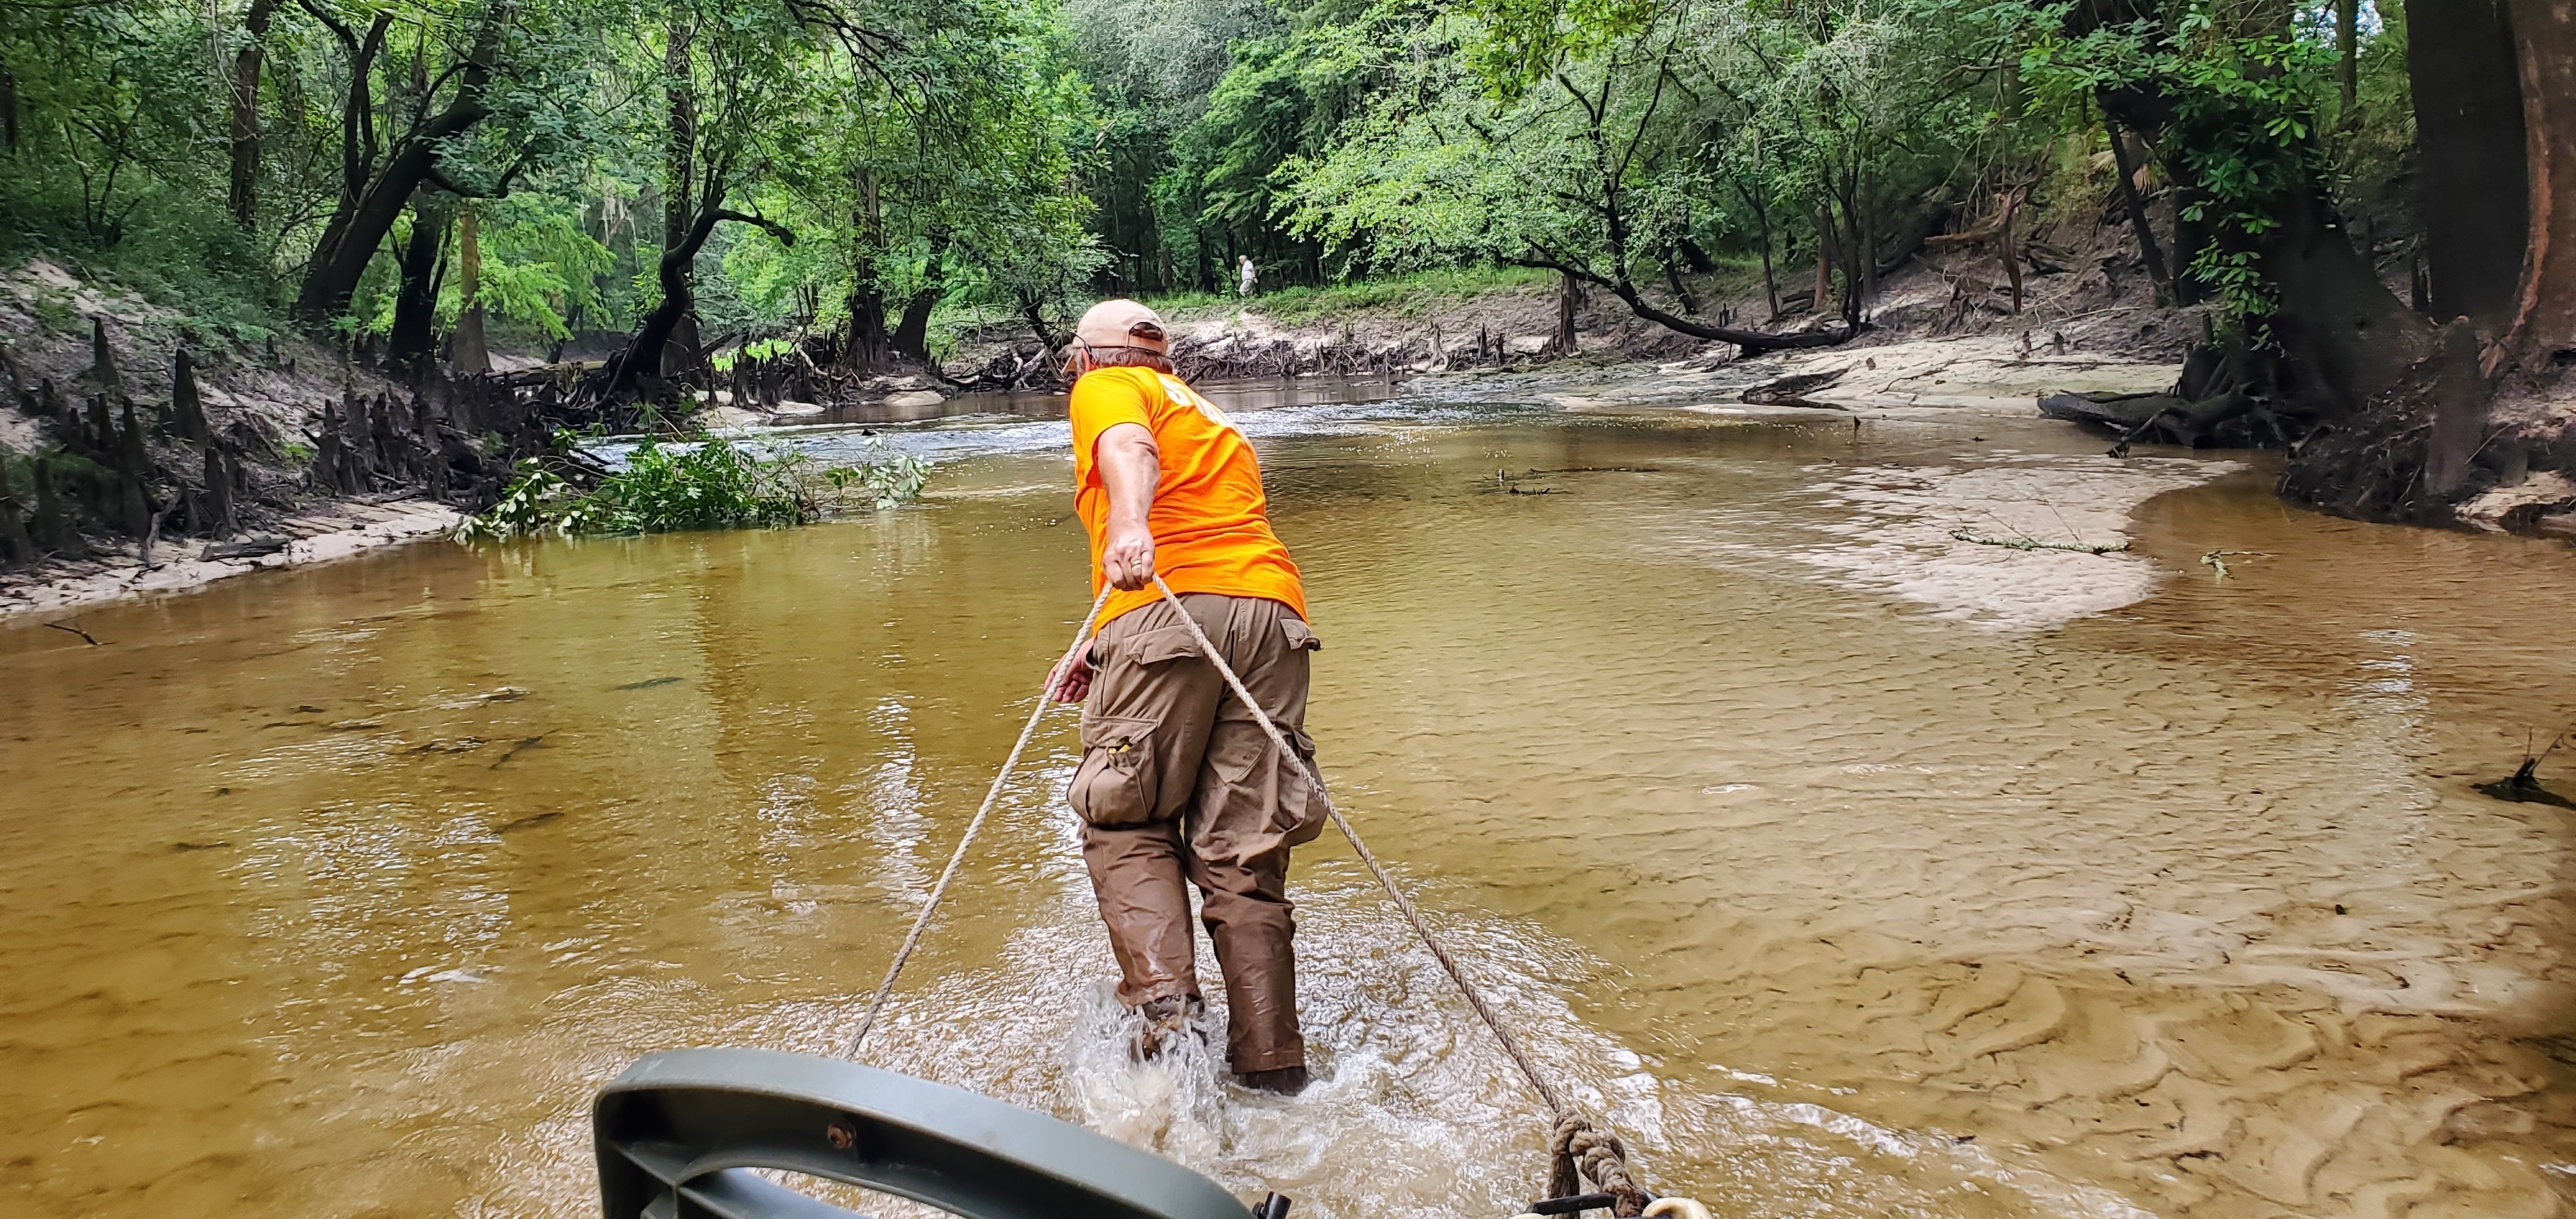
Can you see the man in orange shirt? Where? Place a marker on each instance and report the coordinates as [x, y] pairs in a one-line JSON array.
[[1177, 779]]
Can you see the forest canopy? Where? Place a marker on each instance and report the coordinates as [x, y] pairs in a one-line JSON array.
[[854, 166]]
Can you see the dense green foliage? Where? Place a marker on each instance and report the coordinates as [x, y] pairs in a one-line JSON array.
[[701, 482], [853, 167]]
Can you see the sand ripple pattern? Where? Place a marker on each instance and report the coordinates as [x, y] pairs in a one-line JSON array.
[[1850, 872]]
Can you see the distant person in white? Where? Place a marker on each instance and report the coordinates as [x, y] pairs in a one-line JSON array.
[[1246, 270]]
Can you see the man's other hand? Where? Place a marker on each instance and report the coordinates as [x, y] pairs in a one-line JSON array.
[[1128, 559], [1071, 680]]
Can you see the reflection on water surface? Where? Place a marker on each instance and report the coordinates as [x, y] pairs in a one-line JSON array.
[[1850, 870]]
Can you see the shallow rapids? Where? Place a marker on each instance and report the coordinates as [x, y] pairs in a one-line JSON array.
[[1847, 868]]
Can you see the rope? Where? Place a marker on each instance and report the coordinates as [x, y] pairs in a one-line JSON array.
[[1556, 1105], [912, 939], [1598, 1155], [1576, 1144]]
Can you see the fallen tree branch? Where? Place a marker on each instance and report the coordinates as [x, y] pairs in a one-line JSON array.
[[74, 627], [2035, 544], [1748, 342]]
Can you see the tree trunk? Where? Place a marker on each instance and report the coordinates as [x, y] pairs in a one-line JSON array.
[[1824, 258], [2005, 248], [369, 205], [644, 354], [1673, 280], [868, 339], [415, 328], [357, 161], [1762, 231], [8, 108], [681, 137], [469, 354], [1749, 342], [683, 353], [2544, 316], [1759, 199], [2345, 337], [2471, 198], [2348, 56], [1865, 243], [245, 131], [911, 340], [1566, 341], [2157, 275], [867, 304], [1033, 311]]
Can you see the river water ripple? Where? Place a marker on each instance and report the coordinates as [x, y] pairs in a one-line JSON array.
[[1848, 868]]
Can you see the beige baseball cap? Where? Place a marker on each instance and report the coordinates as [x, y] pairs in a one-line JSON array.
[[1122, 323]]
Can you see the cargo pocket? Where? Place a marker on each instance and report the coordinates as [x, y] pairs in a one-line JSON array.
[[1301, 638], [1160, 644], [1300, 814], [1115, 785]]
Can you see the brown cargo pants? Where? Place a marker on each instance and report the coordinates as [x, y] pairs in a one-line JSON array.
[[1179, 781]]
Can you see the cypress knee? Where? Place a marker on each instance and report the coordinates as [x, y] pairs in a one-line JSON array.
[[102, 362], [54, 528], [131, 454], [187, 408], [325, 475], [16, 548], [218, 502], [380, 426], [101, 434], [134, 507]]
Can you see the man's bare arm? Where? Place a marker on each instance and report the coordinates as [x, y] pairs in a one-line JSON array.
[[1130, 467]]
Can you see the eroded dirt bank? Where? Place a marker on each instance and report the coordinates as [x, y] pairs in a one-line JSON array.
[[143, 450]]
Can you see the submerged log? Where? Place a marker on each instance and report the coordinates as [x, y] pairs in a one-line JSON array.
[[2223, 420], [247, 548], [1791, 390]]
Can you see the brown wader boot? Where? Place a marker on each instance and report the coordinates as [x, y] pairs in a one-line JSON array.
[[1178, 782]]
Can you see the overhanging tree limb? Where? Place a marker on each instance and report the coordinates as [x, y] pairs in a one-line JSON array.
[[1751, 342]]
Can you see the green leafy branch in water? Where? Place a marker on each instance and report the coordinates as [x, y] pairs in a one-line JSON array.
[[703, 482]]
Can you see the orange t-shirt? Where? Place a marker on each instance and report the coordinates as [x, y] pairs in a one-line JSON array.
[[1210, 521]]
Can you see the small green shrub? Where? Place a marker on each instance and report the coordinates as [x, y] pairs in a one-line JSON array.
[[703, 482]]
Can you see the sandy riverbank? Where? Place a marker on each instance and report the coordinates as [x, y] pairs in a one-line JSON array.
[[336, 531]]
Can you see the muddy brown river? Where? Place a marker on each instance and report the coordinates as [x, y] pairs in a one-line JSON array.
[[1848, 868]]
